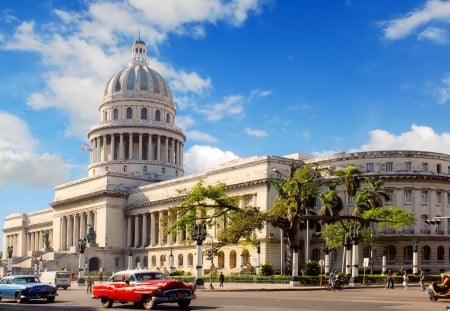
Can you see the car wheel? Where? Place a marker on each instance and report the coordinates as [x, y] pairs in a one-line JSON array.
[[148, 303], [51, 299], [106, 303], [184, 303], [18, 299]]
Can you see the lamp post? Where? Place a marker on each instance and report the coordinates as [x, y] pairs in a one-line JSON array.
[[258, 258], [326, 250], [81, 249], [199, 235], [348, 254], [10, 255], [355, 235], [130, 260], [171, 262], [41, 265], [415, 248]]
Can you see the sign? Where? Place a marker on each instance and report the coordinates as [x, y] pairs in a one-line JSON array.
[[366, 262]]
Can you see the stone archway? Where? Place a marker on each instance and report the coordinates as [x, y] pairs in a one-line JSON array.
[[93, 264]]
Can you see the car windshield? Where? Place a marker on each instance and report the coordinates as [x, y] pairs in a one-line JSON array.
[[145, 276], [26, 280]]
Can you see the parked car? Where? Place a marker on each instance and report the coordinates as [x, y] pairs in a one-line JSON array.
[[24, 287], [61, 279], [145, 288]]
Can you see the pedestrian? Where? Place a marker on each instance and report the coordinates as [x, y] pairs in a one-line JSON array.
[[333, 279], [89, 283], [422, 279], [390, 279], [405, 279], [221, 279]]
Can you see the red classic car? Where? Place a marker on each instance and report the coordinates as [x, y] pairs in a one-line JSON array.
[[145, 288]]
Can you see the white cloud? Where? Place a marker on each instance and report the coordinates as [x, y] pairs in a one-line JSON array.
[[231, 105], [21, 165], [421, 138], [255, 133], [201, 136], [201, 158], [433, 10], [442, 92], [435, 34]]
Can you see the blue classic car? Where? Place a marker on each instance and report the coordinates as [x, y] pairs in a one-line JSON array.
[[24, 287]]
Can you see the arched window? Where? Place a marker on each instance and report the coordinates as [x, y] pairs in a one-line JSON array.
[[145, 261], [153, 261], [180, 260], [144, 114], [390, 253], [124, 168], [162, 259], [221, 259], [233, 259], [118, 87], [190, 259], [157, 115], [426, 253], [129, 113], [408, 253], [115, 114], [440, 253], [130, 81], [167, 118], [105, 115], [245, 257], [143, 78], [163, 170]]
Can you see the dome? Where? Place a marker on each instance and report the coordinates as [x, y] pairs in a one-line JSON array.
[[138, 80]]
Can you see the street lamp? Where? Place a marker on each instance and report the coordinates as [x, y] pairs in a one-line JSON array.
[[81, 249], [171, 262], [41, 265], [355, 235], [415, 249], [130, 260], [326, 250], [199, 235]]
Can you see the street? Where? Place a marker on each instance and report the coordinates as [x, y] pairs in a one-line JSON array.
[[367, 299]]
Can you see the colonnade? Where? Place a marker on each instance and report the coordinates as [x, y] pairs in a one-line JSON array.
[[147, 229], [137, 146], [74, 227]]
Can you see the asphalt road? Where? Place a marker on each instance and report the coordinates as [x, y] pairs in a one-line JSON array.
[[367, 299]]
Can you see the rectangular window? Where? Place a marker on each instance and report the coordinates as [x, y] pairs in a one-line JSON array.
[[408, 167], [424, 196], [438, 168], [370, 167], [389, 196], [389, 166], [424, 167], [407, 198], [439, 197]]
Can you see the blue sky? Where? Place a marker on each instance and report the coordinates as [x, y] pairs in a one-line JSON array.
[[249, 78]]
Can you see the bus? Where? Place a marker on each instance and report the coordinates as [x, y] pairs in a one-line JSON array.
[[61, 279]]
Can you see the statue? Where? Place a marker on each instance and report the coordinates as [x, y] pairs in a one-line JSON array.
[[91, 235], [10, 251], [45, 237]]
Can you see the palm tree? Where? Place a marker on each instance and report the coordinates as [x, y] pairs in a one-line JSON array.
[[349, 178], [331, 204], [370, 197]]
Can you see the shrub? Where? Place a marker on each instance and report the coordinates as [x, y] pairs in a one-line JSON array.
[[266, 269]]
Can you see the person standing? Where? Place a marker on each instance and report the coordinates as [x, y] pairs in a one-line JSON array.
[[405, 279], [89, 283], [221, 279], [422, 279], [333, 279], [390, 279]]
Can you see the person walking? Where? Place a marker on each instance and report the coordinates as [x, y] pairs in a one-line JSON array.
[[221, 279], [390, 279], [333, 279], [422, 279], [405, 279], [89, 283]]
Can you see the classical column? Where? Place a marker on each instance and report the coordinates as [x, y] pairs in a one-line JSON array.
[[136, 231], [83, 226], [130, 146], [69, 231], [63, 239], [152, 229], [129, 231], [140, 146], [121, 149], [76, 228], [166, 152], [158, 148], [113, 146], [149, 148], [161, 229], [144, 230]]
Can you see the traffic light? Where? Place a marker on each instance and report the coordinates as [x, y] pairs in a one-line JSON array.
[[433, 221]]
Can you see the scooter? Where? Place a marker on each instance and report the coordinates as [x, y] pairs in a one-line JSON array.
[[437, 292]]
